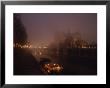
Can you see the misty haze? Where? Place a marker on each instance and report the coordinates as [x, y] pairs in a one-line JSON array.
[[55, 44]]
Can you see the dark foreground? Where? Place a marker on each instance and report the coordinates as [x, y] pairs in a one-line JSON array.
[[84, 63]]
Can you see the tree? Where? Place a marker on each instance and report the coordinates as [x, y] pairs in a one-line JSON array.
[[24, 62], [20, 35]]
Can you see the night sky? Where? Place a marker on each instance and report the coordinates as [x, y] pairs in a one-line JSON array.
[[41, 27]]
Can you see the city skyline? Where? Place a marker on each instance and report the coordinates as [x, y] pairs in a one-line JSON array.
[[42, 27]]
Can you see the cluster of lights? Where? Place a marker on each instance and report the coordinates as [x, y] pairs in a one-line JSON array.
[[22, 46], [17, 45], [48, 68], [88, 47], [42, 47]]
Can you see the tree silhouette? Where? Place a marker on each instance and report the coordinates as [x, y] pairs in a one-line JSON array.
[[20, 35], [24, 62]]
